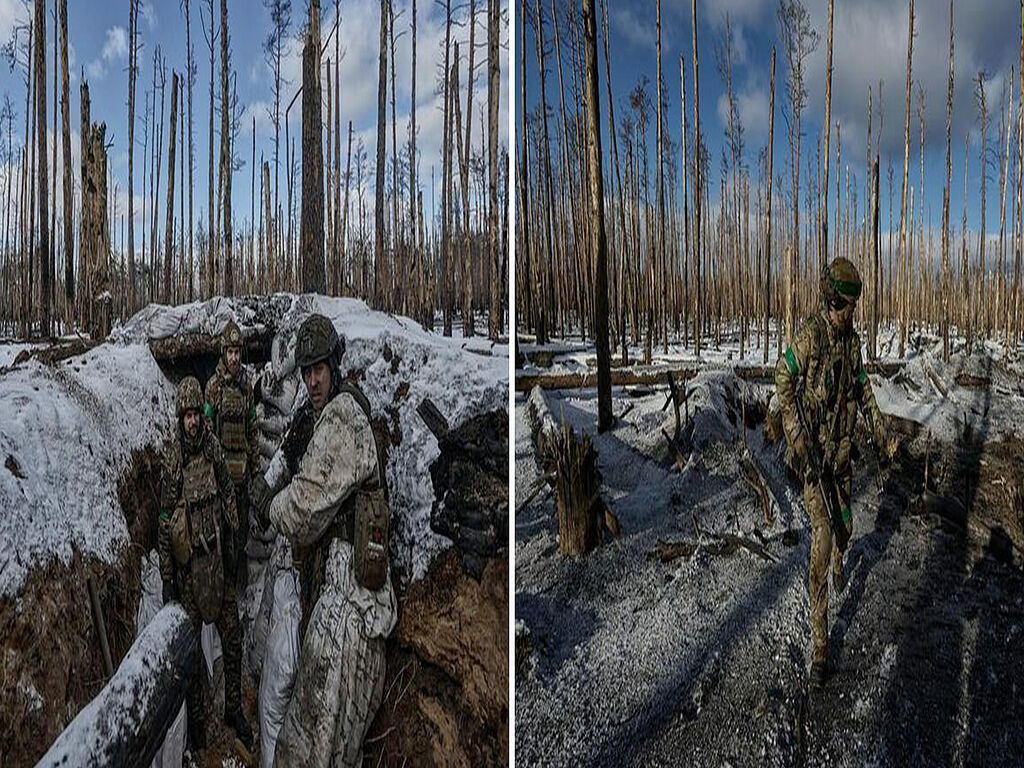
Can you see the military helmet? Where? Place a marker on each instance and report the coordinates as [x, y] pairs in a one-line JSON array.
[[231, 336], [840, 283], [317, 341], [190, 395]]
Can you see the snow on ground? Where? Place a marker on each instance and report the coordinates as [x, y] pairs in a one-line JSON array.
[[68, 431], [702, 661], [911, 394], [10, 350], [66, 434], [461, 383]]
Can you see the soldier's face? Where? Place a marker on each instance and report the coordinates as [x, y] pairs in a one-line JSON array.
[[843, 318], [318, 383], [233, 357], [192, 417]]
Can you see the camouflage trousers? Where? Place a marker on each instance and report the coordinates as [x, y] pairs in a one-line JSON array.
[[230, 631], [823, 549], [242, 538]]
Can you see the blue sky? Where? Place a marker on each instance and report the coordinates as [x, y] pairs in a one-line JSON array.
[[99, 48], [870, 39]]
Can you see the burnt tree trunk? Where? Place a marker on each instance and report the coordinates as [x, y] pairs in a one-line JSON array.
[[379, 256], [169, 226], [311, 225], [95, 245]]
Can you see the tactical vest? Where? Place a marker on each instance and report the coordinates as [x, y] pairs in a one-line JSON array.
[[203, 518], [230, 426], [831, 378]]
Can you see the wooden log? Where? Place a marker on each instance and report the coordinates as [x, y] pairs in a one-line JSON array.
[[755, 479], [127, 721], [653, 375], [255, 346]]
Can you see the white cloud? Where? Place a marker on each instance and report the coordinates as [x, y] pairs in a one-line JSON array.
[[115, 48]]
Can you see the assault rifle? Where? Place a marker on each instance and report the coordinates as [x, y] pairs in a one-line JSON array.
[[817, 461]]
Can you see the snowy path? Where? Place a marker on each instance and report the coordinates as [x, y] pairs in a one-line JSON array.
[[702, 661]]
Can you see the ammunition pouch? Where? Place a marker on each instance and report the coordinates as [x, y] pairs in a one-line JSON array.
[[372, 535]]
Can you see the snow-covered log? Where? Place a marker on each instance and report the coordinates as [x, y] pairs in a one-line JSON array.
[[126, 722], [652, 375]]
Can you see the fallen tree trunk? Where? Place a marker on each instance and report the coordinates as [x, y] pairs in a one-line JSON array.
[[125, 724], [650, 375], [255, 347]]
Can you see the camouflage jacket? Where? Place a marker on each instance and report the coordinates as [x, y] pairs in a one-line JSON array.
[[230, 411], [172, 491], [340, 459], [824, 366]]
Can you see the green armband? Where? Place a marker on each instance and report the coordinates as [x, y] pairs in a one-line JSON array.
[[208, 410], [862, 376], [847, 515], [164, 515], [791, 361], [252, 412]]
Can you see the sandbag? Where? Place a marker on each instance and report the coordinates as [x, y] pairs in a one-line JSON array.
[[281, 661], [340, 681], [256, 649], [171, 752]]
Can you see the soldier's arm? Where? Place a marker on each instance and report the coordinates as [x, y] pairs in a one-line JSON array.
[[865, 397], [170, 491], [789, 370], [341, 456], [211, 400], [224, 484]]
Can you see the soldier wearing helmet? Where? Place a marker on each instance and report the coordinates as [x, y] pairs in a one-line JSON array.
[[823, 368], [332, 507], [231, 413], [196, 535]]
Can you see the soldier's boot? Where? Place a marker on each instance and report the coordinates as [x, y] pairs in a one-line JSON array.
[[818, 666], [838, 575], [236, 720]]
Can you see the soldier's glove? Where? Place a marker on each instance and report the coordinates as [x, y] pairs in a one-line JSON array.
[[888, 452], [297, 438], [170, 592], [260, 498]]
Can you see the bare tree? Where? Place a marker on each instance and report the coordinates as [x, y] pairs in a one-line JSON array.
[[68, 189], [906, 160], [945, 197], [799, 40], [378, 207], [169, 227], [311, 225], [493, 212]]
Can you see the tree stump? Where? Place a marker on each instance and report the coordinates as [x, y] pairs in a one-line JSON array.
[[577, 492]]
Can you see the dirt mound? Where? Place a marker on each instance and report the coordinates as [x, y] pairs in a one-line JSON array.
[[50, 663], [50, 660], [446, 692]]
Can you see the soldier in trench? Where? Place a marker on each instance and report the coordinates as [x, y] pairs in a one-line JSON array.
[[325, 490], [230, 411], [823, 369], [197, 538]]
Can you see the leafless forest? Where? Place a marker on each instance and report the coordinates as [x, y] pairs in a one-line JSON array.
[[699, 246], [312, 224]]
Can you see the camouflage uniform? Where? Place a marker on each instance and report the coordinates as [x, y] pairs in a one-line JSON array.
[[230, 411], [333, 511], [824, 367], [197, 530]]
